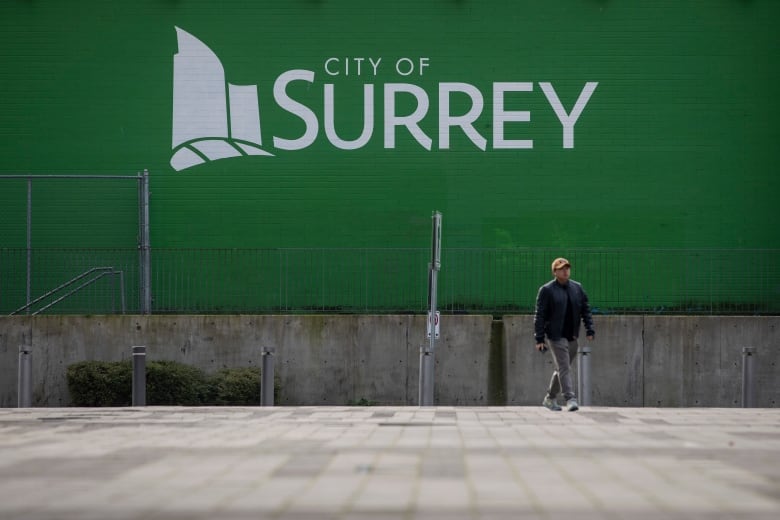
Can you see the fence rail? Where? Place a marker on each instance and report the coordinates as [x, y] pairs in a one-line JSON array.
[[498, 281], [71, 287]]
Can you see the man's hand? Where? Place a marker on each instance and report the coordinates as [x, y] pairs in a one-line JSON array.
[[541, 347]]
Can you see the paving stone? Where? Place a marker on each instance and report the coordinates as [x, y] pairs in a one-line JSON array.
[[342, 463]]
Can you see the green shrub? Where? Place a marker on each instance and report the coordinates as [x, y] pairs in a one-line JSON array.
[[100, 383], [235, 387], [105, 383], [169, 383], [362, 402]]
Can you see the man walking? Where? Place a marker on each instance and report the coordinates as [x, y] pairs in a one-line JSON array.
[[560, 305]]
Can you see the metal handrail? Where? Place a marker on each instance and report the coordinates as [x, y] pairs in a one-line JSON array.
[[104, 271]]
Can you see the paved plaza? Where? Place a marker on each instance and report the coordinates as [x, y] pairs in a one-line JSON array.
[[388, 462]]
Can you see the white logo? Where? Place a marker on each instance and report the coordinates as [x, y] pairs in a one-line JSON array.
[[210, 122], [215, 120]]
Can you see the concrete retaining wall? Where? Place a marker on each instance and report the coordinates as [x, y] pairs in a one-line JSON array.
[[636, 360]]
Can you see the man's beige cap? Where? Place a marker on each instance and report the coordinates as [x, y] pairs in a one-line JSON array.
[[559, 263]]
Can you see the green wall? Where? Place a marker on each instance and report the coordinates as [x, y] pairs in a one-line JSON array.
[[675, 148]]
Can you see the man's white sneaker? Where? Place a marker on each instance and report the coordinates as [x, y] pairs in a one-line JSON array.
[[572, 406]]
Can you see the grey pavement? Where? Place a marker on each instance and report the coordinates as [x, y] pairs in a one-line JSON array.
[[389, 462]]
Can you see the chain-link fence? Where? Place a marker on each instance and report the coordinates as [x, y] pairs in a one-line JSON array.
[[49, 209], [494, 281]]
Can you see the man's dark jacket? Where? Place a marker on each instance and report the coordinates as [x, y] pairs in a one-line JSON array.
[[551, 307]]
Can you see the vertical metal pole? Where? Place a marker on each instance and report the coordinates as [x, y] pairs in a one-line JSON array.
[[583, 381], [146, 264], [25, 377], [267, 378], [427, 364], [748, 377], [139, 376], [427, 357], [141, 242], [29, 242], [427, 350]]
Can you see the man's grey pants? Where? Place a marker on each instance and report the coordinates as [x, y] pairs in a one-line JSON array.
[[564, 352]]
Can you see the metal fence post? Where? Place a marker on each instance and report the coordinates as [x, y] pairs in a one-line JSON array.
[[748, 377], [25, 377], [427, 352], [583, 379], [145, 245], [267, 377], [139, 376], [29, 242]]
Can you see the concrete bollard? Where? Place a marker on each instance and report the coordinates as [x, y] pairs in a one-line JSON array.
[[583, 379], [139, 376], [267, 377], [425, 390], [748, 377], [24, 389]]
